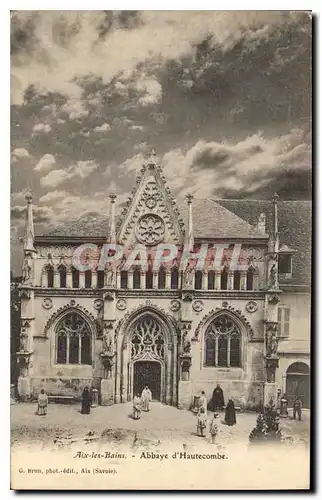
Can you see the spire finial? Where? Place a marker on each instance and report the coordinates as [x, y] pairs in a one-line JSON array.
[[28, 240], [190, 239], [112, 238]]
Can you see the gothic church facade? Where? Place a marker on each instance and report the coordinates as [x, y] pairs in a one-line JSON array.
[[178, 330]]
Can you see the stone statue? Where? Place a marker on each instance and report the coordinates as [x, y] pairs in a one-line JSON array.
[[24, 343], [26, 272], [186, 344], [273, 276], [270, 372], [272, 343], [107, 342], [188, 276], [110, 277]]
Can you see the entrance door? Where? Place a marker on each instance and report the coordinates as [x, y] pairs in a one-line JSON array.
[[298, 383], [147, 373]]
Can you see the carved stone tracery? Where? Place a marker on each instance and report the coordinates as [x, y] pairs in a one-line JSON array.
[[147, 336]]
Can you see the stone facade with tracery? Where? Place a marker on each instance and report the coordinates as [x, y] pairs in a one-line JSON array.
[[179, 330]]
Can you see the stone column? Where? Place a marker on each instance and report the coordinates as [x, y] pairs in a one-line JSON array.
[[217, 280], [155, 280], [230, 280], [118, 280], [69, 279], [56, 279], [94, 279], [130, 280], [243, 280], [255, 281], [124, 381], [168, 280], [205, 281], [81, 279], [175, 370]]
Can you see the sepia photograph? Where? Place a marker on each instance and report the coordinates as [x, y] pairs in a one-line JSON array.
[[161, 250]]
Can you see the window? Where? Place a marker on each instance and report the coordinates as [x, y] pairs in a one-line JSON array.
[[211, 280], [224, 280], [50, 277], [75, 278], [285, 263], [223, 343], [283, 318], [174, 278], [236, 280], [73, 340], [100, 279], [149, 279], [137, 278], [198, 280], [88, 279], [62, 276], [123, 279], [250, 279], [161, 278]]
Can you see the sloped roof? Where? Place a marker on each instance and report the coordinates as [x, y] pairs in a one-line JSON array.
[[294, 224]]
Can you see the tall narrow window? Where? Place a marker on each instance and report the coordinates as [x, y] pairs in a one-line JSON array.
[[137, 278], [75, 278], [73, 344], [100, 278], [222, 343], [211, 280], [236, 280], [198, 280], [224, 280], [124, 279], [174, 278], [88, 279], [250, 279], [149, 279], [62, 276], [50, 277], [283, 318], [161, 278]]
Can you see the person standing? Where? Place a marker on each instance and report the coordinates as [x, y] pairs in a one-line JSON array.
[[213, 428], [42, 403], [86, 401], [297, 408], [203, 401], [137, 407], [201, 421], [217, 402], [230, 414], [146, 397]]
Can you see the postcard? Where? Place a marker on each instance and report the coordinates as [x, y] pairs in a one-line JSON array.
[[161, 250]]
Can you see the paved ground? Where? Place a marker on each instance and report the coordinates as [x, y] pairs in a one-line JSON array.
[[163, 423]]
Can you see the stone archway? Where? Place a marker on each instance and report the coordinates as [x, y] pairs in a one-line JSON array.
[[298, 383], [147, 355]]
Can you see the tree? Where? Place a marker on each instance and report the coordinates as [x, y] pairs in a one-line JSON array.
[[267, 426]]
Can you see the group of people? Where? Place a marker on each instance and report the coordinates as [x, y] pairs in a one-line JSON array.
[[141, 402], [216, 403]]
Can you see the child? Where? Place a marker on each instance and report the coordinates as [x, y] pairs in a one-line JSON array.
[[137, 407], [42, 403], [213, 428], [201, 422]]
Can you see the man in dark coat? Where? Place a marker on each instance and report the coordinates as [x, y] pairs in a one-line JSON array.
[[217, 402], [230, 414], [86, 401]]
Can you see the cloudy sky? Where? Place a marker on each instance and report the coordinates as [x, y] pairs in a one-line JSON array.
[[223, 97]]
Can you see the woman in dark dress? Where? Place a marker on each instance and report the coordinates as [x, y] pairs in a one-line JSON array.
[[230, 414], [86, 401]]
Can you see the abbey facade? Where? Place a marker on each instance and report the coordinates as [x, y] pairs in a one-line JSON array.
[[241, 319]]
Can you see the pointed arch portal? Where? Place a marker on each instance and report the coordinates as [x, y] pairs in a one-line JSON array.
[[148, 357]]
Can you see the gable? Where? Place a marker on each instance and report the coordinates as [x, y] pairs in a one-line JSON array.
[[151, 215]]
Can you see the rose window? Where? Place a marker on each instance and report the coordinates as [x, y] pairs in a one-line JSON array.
[[147, 337], [150, 229]]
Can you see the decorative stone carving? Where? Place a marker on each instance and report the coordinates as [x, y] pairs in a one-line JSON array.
[[175, 305], [110, 281], [121, 304], [214, 312], [187, 297], [107, 342], [25, 294], [225, 303], [273, 299], [47, 303], [98, 304], [251, 306], [57, 251], [197, 305], [98, 324], [271, 365], [66, 307], [271, 339], [150, 229], [26, 272], [187, 277]]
